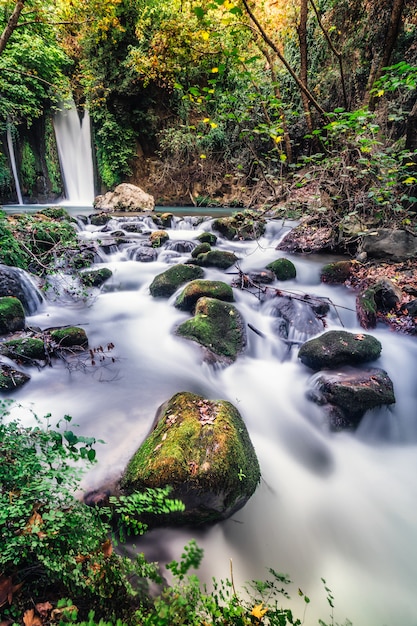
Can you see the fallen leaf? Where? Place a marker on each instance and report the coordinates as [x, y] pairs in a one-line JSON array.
[[30, 619]]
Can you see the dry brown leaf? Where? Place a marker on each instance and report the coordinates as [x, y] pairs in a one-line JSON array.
[[107, 548], [30, 619], [43, 608], [7, 589]]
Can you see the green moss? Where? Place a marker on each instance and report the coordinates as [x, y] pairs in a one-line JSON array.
[[70, 336], [283, 269], [165, 284], [339, 347], [11, 378], [29, 347], [216, 325], [217, 258], [158, 238], [200, 441], [200, 249], [199, 288], [95, 278], [209, 238], [336, 272], [12, 315]]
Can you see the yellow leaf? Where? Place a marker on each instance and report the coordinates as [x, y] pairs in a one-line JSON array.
[[205, 35], [206, 120], [410, 180], [214, 70], [258, 611], [203, 156], [213, 124]]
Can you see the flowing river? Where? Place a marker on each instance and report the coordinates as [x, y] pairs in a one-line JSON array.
[[339, 506]]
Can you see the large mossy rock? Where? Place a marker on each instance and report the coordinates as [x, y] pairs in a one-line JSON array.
[[16, 282], [339, 347], [218, 326], [197, 289], [222, 259], [202, 450], [242, 225], [336, 272], [24, 348], [348, 395], [95, 278], [12, 315], [207, 237], [283, 269], [167, 283]]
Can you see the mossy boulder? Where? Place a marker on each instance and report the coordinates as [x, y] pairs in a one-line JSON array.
[[165, 284], [283, 269], [95, 278], [381, 297], [196, 289], [26, 347], [202, 450], [222, 259], [347, 395], [12, 315], [69, 336], [206, 237], [241, 225], [339, 347], [337, 272], [200, 249], [158, 238], [218, 327], [10, 378], [100, 219]]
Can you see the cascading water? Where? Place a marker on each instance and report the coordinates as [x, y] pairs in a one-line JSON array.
[[13, 164], [341, 506], [73, 137]]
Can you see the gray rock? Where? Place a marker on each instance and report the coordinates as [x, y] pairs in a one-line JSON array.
[[125, 197], [386, 243]]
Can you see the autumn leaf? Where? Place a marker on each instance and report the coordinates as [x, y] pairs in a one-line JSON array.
[[30, 619], [107, 548], [258, 611], [7, 589]]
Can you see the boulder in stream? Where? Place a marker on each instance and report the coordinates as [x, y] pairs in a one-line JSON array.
[[167, 283], [10, 378], [69, 336], [339, 347], [12, 315], [222, 259], [18, 283], [95, 278], [196, 289], [125, 197], [217, 326], [348, 394], [202, 450], [389, 244], [380, 297], [283, 269]]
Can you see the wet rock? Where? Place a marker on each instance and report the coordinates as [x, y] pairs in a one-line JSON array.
[[16, 282], [10, 378], [143, 254], [381, 297], [221, 259], [202, 248], [95, 278], [389, 244], [202, 450], [209, 238], [69, 336], [181, 246], [125, 197], [166, 283], [335, 273], [264, 277], [242, 225], [196, 289], [12, 315], [296, 318], [158, 238], [218, 326], [339, 347], [283, 269], [26, 347], [308, 237], [100, 219], [347, 395]]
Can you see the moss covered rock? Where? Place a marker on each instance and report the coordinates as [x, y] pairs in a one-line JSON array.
[[165, 284], [202, 248], [12, 315], [206, 237], [339, 347], [27, 347], [241, 225], [10, 378], [196, 289], [69, 336], [95, 278], [218, 326], [283, 269], [201, 448], [221, 259], [381, 297], [158, 238], [336, 272], [347, 395]]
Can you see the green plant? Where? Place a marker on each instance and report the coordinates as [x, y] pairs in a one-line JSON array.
[[51, 541], [11, 252]]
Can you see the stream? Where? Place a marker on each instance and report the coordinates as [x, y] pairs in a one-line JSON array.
[[339, 506]]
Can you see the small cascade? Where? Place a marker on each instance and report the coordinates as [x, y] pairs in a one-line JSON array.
[[73, 138], [13, 164], [16, 282]]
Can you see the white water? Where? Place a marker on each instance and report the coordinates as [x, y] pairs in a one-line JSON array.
[[13, 164], [73, 138], [341, 506]]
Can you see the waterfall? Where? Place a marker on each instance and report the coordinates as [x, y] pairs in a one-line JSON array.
[[13, 164], [73, 138]]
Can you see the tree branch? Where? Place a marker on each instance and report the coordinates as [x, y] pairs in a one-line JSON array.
[[11, 24]]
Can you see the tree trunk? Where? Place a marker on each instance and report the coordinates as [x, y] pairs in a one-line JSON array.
[[383, 56], [411, 137], [11, 24], [302, 39]]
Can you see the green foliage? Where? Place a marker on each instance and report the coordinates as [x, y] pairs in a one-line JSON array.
[[51, 539], [11, 253], [28, 169], [115, 148]]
